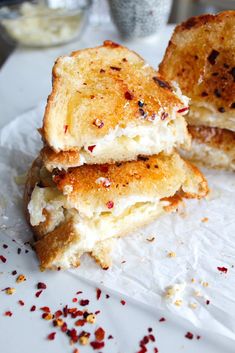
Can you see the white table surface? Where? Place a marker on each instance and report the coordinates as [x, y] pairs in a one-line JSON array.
[[25, 80]]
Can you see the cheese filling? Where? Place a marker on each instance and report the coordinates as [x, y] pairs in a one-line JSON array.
[[146, 139], [99, 226]]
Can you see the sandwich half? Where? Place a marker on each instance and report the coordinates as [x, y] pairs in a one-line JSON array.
[[108, 105], [201, 58], [83, 209]]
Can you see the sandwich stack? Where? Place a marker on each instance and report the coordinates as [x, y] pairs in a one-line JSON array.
[[109, 164], [201, 58]]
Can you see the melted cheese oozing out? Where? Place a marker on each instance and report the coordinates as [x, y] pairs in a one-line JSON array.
[[98, 227]]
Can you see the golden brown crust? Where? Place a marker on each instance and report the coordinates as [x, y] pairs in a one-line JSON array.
[[102, 83], [51, 158], [201, 58], [53, 245], [145, 176]]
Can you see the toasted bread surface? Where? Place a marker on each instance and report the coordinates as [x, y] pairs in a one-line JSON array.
[[99, 89], [201, 58]]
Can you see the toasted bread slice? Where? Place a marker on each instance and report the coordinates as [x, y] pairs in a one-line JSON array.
[[212, 147], [77, 211], [201, 58], [108, 105]]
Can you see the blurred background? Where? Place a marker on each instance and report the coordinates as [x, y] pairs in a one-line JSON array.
[[48, 23]]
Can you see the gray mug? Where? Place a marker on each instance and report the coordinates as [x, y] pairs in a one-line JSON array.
[[139, 18]]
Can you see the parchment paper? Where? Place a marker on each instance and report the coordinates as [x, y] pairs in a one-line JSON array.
[[143, 269]]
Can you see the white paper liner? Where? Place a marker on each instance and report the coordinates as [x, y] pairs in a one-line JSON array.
[[200, 247]]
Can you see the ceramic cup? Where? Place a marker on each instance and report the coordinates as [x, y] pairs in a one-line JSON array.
[[139, 18]]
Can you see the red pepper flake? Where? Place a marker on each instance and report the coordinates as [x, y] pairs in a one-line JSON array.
[[5, 246], [162, 319], [73, 335], [110, 337], [72, 310], [84, 302], [183, 110], [198, 337], [90, 148], [65, 311], [21, 302], [80, 322], [100, 334], [58, 313], [37, 294], [144, 341], [33, 308], [222, 269], [143, 350], [107, 296], [128, 95], [98, 293], [152, 338], [150, 329], [77, 313], [65, 128], [8, 313], [97, 345], [110, 204], [74, 300], [46, 309], [51, 336], [3, 259], [98, 123], [155, 350], [64, 327], [123, 302], [207, 302], [14, 273], [97, 312], [189, 335], [76, 350], [79, 292], [41, 285]]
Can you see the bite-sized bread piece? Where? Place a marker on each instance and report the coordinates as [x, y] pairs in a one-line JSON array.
[[108, 105], [201, 58], [212, 147], [76, 212]]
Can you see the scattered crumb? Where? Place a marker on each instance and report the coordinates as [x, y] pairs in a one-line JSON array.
[[171, 291], [205, 219], [193, 305], [171, 254], [193, 280], [150, 239], [20, 278], [10, 291], [204, 284], [178, 302]]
